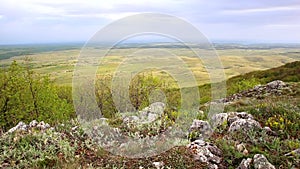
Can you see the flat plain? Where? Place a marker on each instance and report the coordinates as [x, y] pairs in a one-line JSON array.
[[235, 59]]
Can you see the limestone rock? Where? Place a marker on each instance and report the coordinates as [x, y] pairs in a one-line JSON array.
[[272, 88], [269, 131], [240, 147], [159, 165], [147, 115], [245, 164], [203, 128], [261, 162], [219, 119], [244, 124], [21, 126], [157, 107], [131, 119], [233, 116], [42, 125], [277, 84], [206, 153], [33, 123]]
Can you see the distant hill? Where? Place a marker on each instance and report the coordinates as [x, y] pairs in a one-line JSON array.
[[8, 51]]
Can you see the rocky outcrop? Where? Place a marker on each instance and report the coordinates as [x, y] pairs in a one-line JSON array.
[[245, 164], [261, 162], [202, 128], [159, 165], [147, 115], [207, 153], [220, 119], [236, 121], [21, 126], [276, 87], [234, 116], [244, 124]]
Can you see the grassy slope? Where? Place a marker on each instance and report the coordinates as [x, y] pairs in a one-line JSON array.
[[280, 113], [289, 72]]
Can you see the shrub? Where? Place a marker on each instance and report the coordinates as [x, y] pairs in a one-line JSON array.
[[26, 96]]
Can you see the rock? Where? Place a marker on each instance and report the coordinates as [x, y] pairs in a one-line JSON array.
[[277, 84], [21, 126], [294, 153], [131, 119], [245, 164], [257, 87], [244, 124], [240, 147], [151, 117], [47, 126], [233, 116], [4, 165], [244, 115], [219, 119], [103, 121], [199, 142], [212, 166], [147, 115], [199, 124], [245, 152], [42, 125], [201, 127], [206, 153], [157, 107], [261, 162], [153, 112], [269, 131], [201, 113], [74, 128], [33, 123], [259, 92], [159, 165]]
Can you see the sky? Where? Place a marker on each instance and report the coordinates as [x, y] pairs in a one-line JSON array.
[[56, 21]]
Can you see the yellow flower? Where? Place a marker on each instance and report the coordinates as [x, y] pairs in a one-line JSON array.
[[281, 119]]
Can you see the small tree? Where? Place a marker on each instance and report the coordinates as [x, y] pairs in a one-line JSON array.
[[26, 95]]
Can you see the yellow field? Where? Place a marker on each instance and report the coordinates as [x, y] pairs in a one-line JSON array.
[[60, 64]]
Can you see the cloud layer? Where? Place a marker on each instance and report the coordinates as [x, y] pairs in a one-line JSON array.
[[35, 21]]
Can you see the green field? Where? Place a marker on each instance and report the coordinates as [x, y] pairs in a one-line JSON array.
[[236, 59]]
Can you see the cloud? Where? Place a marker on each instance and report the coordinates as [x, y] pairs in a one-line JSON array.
[[61, 20], [266, 9]]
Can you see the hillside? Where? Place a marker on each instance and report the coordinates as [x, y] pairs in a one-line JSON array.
[[259, 128]]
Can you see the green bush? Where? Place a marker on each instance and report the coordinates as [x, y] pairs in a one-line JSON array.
[[26, 96], [35, 150], [141, 90]]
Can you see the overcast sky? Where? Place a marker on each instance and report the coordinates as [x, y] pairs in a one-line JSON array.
[[47, 21]]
